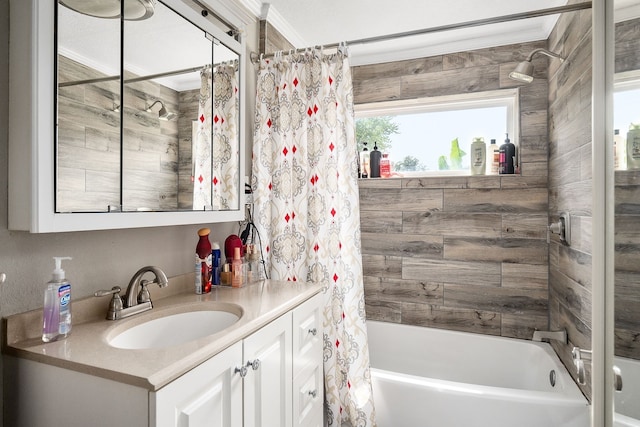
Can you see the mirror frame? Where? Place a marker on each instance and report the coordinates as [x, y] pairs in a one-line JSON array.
[[32, 148]]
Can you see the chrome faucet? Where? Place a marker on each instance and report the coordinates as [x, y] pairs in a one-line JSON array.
[[550, 335], [137, 298]]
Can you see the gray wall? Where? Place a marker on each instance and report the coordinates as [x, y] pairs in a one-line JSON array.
[[101, 258]]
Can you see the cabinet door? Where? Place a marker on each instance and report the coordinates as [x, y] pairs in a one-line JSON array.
[[208, 395], [308, 397], [307, 334], [268, 383]]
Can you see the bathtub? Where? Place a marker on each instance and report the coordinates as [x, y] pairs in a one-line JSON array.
[[425, 377], [627, 411]]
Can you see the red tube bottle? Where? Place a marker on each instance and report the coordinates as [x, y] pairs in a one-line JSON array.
[[203, 258]]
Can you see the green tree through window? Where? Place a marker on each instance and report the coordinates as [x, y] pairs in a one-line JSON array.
[[375, 130]]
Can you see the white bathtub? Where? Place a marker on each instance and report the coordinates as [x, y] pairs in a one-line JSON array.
[[425, 377], [627, 410]]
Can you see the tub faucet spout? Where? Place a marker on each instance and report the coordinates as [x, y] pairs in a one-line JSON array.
[[551, 335]]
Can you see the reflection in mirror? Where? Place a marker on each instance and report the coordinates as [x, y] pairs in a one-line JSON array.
[[175, 115], [88, 122], [627, 210], [179, 128]]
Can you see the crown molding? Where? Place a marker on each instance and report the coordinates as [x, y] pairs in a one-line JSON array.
[[268, 12]]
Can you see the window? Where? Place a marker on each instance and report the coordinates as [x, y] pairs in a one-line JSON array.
[[625, 116], [417, 134]]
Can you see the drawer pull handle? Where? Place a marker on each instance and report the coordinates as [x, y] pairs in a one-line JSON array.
[[241, 370], [255, 365], [313, 393], [313, 331]]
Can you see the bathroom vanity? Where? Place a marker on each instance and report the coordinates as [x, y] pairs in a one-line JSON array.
[[263, 370]]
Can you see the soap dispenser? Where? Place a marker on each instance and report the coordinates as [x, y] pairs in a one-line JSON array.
[[56, 316]]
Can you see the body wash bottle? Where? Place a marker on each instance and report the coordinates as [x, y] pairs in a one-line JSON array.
[[56, 316]]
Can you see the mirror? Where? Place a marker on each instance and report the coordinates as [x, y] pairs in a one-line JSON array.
[[626, 110], [147, 112]]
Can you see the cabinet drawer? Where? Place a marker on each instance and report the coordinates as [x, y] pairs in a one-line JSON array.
[[308, 397], [307, 334]]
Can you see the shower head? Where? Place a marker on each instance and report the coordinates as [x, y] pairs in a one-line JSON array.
[[524, 71], [134, 10], [163, 114]]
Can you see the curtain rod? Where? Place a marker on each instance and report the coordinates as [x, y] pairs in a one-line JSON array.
[[468, 24], [139, 79]]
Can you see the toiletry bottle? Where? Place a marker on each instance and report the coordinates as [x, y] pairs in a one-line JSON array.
[[364, 161], [217, 263], [203, 258], [619, 151], [507, 157], [236, 269], [225, 274], [493, 158], [56, 316], [198, 276], [616, 148], [633, 147], [252, 259], [385, 166], [374, 161], [478, 156]]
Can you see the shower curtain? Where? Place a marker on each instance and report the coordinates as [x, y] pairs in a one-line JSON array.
[[305, 189], [216, 140]]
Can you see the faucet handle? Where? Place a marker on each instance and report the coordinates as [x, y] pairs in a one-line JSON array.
[[144, 295], [103, 292], [115, 305]]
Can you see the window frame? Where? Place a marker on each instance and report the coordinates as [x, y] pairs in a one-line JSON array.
[[509, 98]]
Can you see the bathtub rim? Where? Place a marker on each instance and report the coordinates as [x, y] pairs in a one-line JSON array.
[[570, 394]]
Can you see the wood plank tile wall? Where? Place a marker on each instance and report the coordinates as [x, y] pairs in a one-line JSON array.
[[463, 253], [89, 144], [570, 182]]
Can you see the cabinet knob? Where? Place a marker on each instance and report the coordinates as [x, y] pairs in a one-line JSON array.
[[241, 370], [255, 365], [313, 393], [313, 331]]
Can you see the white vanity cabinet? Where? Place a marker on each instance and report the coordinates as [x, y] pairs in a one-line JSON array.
[[210, 394], [272, 378], [268, 372]]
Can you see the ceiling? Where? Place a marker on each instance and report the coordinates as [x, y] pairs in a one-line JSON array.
[[313, 22]]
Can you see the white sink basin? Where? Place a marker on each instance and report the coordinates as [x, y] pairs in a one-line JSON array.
[[173, 329]]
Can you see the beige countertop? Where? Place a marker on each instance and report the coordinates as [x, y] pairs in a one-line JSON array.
[[86, 350]]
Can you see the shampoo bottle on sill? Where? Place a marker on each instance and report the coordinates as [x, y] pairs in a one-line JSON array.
[[507, 157], [478, 156], [364, 161], [56, 316], [493, 158], [374, 161]]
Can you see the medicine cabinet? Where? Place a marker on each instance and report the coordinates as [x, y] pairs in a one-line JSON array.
[[124, 115]]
